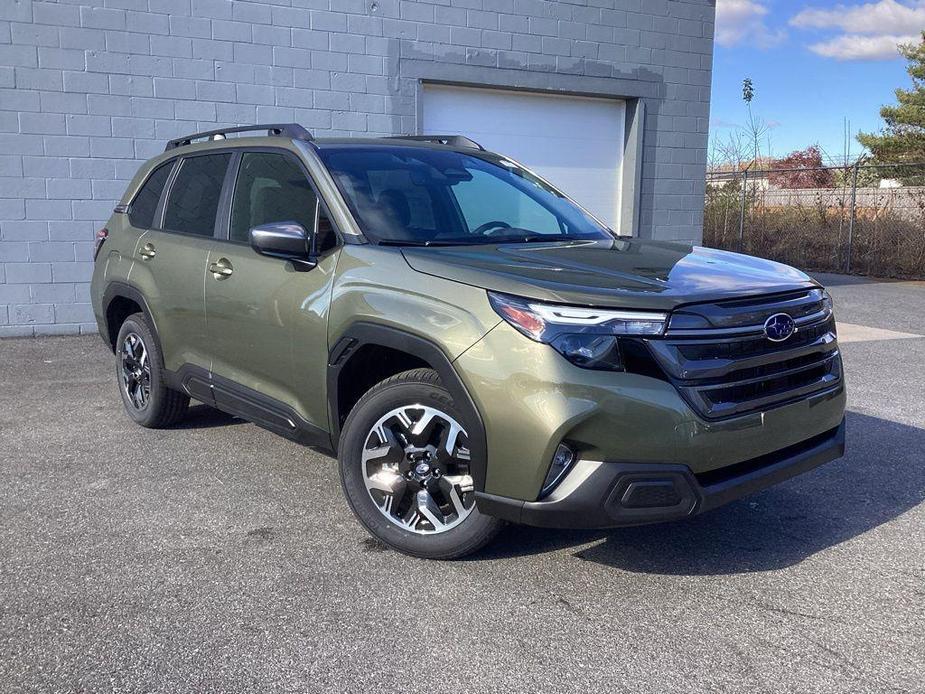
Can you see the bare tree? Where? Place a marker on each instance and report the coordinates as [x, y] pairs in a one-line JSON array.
[[756, 127], [741, 147]]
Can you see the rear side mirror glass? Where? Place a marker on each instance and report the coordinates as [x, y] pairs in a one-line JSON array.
[[287, 240]]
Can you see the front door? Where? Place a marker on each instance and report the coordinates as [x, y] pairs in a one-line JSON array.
[[267, 318]]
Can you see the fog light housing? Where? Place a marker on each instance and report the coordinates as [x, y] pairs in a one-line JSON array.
[[561, 463]]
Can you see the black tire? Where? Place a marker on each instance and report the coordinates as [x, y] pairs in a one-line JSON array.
[[418, 386], [163, 406]]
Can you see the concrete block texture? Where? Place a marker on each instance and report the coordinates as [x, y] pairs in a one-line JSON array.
[[88, 89]]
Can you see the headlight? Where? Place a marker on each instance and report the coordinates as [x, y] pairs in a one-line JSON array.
[[587, 337]]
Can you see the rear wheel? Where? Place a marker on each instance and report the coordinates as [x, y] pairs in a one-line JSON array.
[[405, 468], [146, 397]]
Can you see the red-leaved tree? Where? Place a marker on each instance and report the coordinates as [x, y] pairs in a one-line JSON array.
[[801, 169]]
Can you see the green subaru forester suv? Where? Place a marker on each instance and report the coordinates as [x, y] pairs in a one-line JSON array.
[[471, 344]]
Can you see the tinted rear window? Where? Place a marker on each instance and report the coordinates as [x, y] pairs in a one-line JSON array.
[[145, 203], [194, 196]]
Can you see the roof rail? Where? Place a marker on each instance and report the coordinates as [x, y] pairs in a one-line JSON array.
[[451, 140], [293, 130]]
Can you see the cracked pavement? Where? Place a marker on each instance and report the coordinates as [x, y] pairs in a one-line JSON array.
[[219, 557]]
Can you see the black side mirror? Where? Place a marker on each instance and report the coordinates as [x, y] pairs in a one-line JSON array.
[[286, 240]]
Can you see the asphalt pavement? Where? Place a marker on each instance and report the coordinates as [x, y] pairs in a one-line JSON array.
[[219, 557]]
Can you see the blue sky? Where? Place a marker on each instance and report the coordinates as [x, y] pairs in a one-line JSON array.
[[813, 63]]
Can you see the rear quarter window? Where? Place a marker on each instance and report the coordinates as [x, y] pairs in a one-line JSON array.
[[141, 213]]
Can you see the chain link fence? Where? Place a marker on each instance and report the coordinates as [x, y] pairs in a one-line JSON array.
[[862, 219]]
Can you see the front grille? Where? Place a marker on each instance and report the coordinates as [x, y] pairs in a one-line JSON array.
[[720, 360], [746, 347]]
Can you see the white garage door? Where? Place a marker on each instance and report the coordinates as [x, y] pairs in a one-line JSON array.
[[576, 143]]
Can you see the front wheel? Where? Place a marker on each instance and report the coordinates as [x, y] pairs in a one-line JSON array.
[[405, 469]]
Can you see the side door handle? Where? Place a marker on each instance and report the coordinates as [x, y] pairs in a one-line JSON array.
[[221, 269], [147, 251]]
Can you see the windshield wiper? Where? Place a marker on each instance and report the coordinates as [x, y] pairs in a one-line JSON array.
[[530, 238], [543, 237], [526, 237], [419, 242]]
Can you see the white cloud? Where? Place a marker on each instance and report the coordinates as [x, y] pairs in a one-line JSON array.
[[740, 21], [868, 31], [882, 17], [858, 47]]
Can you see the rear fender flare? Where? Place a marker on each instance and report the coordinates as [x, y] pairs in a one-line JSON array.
[[117, 290]]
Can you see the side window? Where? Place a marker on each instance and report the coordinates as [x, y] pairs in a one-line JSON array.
[[144, 205], [327, 237], [195, 193], [270, 188]]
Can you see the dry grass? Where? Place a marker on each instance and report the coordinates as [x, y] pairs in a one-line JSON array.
[[884, 242]]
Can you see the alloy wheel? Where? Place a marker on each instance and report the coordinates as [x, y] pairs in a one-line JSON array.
[[416, 469], [136, 371]]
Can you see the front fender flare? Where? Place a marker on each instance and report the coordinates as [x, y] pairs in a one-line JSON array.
[[363, 333]]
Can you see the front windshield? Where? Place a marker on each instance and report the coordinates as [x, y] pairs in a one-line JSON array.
[[423, 196]]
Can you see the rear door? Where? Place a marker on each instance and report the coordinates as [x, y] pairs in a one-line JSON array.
[[174, 254], [121, 249], [266, 317]]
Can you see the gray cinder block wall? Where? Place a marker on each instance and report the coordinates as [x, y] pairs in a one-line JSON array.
[[90, 88]]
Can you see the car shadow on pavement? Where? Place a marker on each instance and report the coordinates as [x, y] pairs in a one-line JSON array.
[[881, 477], [206, 417]]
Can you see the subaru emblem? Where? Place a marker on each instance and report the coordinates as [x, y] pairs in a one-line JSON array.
[[779, 327]]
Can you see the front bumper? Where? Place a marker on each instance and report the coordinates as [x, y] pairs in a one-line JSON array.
[[531, 399], [605, 495]]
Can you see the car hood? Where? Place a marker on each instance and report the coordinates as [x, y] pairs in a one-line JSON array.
[[622, 272]]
